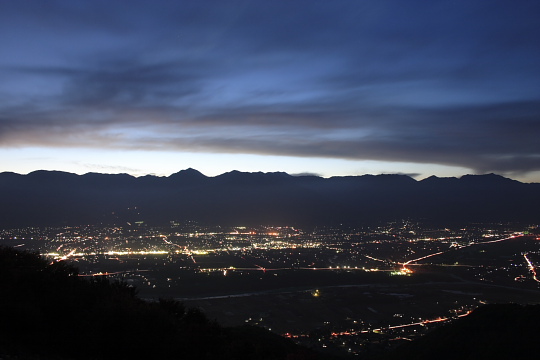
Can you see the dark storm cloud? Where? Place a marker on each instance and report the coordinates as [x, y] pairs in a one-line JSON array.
[[499, 138], [453, 83], [131, 85]]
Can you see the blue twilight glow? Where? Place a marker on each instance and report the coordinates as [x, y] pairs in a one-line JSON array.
[[327, 87]]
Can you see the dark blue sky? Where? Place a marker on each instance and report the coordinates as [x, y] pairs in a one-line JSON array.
[[328, 87]]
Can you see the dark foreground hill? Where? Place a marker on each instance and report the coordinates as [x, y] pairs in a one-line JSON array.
[[497, 331], [48, 312], [45, 198]]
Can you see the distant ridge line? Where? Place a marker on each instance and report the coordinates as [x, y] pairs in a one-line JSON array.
[[55, 197], [194, 172]]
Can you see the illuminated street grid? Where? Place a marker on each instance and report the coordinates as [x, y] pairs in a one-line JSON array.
[[340, 289]]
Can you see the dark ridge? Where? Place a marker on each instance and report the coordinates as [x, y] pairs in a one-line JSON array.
[[435, 179], [48, 312], [488, 179], [44, 198], [188, 174]]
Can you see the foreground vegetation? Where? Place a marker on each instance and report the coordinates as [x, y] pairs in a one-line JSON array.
[[49, 312]]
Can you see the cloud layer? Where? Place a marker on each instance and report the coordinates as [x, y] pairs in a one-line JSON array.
[[440, 83]]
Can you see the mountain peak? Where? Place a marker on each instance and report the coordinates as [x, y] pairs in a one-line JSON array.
[[188, 173], [488, 178], [435, 179]]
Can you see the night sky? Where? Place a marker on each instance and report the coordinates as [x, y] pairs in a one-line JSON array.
[[327, 87]]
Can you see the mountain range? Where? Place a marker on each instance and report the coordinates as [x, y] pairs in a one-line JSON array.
[[236, 198]]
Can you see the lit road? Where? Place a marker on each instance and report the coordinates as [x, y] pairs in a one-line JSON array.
[[531, 267], [423, 257], [411, 262], [418, 323], [375, 259]]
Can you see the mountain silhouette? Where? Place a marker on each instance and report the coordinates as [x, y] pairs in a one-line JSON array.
[[235, 198]]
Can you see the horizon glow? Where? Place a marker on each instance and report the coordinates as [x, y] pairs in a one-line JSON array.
[[332, 88]]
